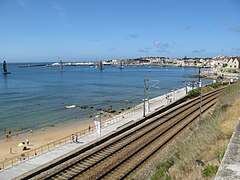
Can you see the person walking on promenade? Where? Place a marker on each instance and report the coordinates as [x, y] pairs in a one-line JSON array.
[[72, 137], [76, 138]]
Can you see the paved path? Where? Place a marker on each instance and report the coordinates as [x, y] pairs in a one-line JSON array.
[[29, 164], [230, 166]]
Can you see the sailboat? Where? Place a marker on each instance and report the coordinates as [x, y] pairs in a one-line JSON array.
[[101, 66], [121, 65], [61, 65], [5, 68]]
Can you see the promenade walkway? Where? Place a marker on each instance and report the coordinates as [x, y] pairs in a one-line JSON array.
[[109, 126], [230, 166]]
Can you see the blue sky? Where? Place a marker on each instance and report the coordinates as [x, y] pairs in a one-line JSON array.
[[83, 30]]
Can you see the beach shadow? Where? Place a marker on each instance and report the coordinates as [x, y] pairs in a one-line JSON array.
[[26, 148]]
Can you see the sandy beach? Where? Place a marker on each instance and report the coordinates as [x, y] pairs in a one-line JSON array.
[[39, 138]]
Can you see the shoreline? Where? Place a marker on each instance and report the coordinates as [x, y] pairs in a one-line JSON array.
[[40, 137]]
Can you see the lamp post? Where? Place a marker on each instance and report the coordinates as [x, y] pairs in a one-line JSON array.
[[199, 76], [144, 97], [173, 97], [146, 106], [200, 86], [98, 122], [189, 84]]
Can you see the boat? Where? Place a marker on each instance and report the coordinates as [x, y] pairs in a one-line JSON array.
[[101, 66], [61, 65], [121, 65], [5, 68]]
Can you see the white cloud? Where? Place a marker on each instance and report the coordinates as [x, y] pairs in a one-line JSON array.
[[59, 10], [199, 51], [22, 3], [143, 51]]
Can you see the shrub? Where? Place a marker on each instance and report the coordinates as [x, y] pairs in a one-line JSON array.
[[215, 85], [220, 151], [210, 170], [162, 170], [194, 93]]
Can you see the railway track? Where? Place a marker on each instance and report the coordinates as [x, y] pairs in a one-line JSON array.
[[119, 156]]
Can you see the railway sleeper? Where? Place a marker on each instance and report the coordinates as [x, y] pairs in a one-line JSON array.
[[90, 160], [73, 169], [69, 173], [87, 163], [99, 156], [95, 158], [115, 148], [103, 154], [80, 167], [61, 176], [58, 177], [109, 151]]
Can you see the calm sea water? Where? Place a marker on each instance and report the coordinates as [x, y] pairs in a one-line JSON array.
[[36, 97]]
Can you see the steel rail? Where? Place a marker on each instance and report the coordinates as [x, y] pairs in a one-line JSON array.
[[134, 149]]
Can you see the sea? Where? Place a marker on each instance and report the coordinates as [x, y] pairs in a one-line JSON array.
[[41, 96]]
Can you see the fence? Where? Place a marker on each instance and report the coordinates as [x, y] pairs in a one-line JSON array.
[[40, 150]]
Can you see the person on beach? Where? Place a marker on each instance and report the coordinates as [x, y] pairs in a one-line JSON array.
[[76, 138], [89, 128], [27, 141], [72, 138], [11, 150]]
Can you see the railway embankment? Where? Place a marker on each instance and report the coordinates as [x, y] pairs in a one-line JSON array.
[[230, 166], [199, 151]]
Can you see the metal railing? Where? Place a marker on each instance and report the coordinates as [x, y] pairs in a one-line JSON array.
[[42, 149]]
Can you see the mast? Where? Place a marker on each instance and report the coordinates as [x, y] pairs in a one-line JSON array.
[[5, 67], [61, 65], [121, 65], [101, 66]]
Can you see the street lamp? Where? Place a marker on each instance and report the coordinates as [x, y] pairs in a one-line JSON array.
[[189, 84], [145, 88], [98, 123], [144, 97], [173, 92], [200, 86]]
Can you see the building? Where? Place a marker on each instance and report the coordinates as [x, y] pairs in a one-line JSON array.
[[233, 63]]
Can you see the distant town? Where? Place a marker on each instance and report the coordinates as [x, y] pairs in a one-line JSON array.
[[222, 63], [219, 66]]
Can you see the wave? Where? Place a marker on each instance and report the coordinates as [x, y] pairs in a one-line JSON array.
[[71, 106]]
